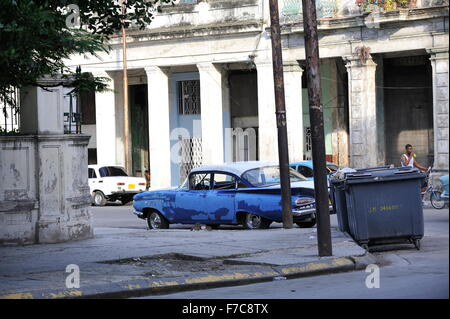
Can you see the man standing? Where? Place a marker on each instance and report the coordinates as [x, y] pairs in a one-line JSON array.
[[408, 159]]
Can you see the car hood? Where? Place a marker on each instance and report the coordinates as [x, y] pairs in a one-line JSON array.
[[155, 192]]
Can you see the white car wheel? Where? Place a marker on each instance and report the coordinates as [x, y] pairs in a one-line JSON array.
[[99, 199]]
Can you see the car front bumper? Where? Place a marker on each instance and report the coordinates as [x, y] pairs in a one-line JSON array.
[[138, 213], [306, 212]]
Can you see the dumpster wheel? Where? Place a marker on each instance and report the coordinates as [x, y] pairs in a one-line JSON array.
[[417, 243], [365, 247]]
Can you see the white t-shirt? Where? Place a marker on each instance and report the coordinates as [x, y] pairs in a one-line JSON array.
[[411, 161]]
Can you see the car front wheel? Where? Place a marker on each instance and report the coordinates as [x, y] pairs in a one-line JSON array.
[[253, 221], [157, 221], [99, 199]]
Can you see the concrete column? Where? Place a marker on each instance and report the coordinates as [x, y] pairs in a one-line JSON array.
[[340, 121], [50, 170], [362, 112], [159, 127], [268, 138], [212, 113], [64, 199], [294, 112], [336, 102], [119, 120], [42, 110], [439, 63], [105, 114], [381, 146]]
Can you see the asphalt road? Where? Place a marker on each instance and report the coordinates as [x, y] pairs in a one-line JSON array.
[[405, 272]]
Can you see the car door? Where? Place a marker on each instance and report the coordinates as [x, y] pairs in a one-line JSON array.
[[92, 179], [220, 200], [190, 203], [103, 181]]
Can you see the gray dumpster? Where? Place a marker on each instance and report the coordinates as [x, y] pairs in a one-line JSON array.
[[337, 195], [380, 205]]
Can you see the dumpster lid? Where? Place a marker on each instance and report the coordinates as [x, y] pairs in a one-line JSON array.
[[388, 174], [378, 174]]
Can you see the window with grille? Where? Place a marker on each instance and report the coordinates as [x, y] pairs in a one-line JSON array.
[[191, 155], [308, 144], [9, 111], [189, 97]]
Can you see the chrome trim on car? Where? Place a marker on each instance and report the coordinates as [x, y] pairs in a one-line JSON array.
[[303, 212], [138, 213]]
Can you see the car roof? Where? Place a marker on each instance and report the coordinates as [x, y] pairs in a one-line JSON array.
[[309, 163], [236, 168]]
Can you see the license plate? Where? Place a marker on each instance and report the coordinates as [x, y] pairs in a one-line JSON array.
[[131, 186]]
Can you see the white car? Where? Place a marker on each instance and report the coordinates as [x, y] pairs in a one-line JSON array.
[[111, 183]]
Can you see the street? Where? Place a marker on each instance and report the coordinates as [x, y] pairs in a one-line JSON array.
[[404, 273]]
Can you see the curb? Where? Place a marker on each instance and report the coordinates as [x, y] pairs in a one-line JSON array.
[[144, 287]]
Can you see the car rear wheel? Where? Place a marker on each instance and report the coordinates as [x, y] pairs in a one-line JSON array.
[[99, 199], [253, 221], [157, 221], [307, 224]]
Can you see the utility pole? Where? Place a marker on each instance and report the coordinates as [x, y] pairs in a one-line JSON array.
[[317, 127], [280, 106], [126, 111]]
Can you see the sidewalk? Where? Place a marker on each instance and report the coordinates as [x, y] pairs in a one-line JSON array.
[[133, 262]]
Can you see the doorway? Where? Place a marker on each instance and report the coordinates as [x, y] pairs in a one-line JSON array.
[[138, 99], [408, 108]]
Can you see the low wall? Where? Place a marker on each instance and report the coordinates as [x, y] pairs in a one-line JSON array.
[[44, 192]]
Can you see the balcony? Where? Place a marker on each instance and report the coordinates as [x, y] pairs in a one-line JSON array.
[[291, 10], [198, 18], [194, 18]]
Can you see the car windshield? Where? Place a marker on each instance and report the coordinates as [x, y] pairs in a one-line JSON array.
[[185, 184], [332, 168], [270, 175], [111, 171]]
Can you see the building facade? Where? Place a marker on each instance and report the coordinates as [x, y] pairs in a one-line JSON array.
[[201, 86]]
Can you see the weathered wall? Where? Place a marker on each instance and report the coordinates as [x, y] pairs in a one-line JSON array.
[[45, 197], [19, 206]]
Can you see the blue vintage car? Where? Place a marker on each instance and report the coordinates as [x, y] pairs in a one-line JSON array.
[[306, 168], [245, 193]]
